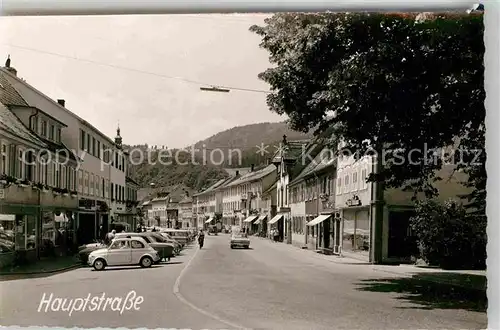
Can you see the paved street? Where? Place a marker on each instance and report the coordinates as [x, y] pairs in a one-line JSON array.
[[270, 286]]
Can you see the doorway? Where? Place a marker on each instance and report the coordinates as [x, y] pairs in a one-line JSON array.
[[401, 243]]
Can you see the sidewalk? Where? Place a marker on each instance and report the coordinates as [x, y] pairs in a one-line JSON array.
[[470, 279], [45, 266]]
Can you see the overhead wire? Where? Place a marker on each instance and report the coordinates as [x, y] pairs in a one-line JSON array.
[[119, 67]]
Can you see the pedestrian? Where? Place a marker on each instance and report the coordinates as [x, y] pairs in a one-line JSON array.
[[110, 236], [276, 235]]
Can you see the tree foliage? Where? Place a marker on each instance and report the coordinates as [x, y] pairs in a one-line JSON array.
[[399, 82], [447, 237]]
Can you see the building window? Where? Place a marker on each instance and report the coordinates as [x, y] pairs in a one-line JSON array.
[[112, 190], [89, 145], [20, 164], [86, 183], [354, 180], [80, 181], [44, 128], [52, 132], [98, 150], [5, 163], [346, 183], [82, 140], [57, 177], [58, 136], [34, 124], [363, 178], [91, 184], [97, 184], [94, 147]]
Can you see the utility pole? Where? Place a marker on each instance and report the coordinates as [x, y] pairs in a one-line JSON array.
[[377, 211]]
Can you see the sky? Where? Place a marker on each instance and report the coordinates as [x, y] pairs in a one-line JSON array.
[[112, 70]]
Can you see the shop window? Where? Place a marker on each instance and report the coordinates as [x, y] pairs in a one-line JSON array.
[[7, 236], [31, 239]]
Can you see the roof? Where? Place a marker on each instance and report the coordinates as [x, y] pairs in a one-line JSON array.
[[130, 180], [10, 123], [270, 189], [186, 199], [58, 147], [8, 77], [8, 94], [253, 176], [323, 160], [212, 187], [292, 150]]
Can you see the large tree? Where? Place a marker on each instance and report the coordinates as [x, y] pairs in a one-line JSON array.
[[402, 82]]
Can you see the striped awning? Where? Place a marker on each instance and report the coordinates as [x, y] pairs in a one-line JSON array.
[[318, 219], [275, 219], [260, 219], [251, 218]]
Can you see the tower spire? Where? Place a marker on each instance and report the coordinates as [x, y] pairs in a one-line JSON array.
[[118, 138]]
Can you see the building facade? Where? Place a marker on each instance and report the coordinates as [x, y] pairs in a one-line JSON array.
[[186, 218], [38, 198], [100, 179]]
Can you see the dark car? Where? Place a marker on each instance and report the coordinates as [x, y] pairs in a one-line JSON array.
[[85, 250], [165, 250]]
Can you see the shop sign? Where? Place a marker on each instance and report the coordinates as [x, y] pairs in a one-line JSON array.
[[354, 201]]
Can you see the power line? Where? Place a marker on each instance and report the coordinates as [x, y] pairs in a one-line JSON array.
[[119, 67]]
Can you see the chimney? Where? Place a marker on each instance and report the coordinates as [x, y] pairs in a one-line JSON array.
[[252, 167], [9, 68], [61, 102], [237, 172]]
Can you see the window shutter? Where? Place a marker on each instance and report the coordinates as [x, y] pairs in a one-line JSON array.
[[13, 160], [50, 174]]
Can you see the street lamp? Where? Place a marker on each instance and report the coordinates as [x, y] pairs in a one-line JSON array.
[[215, 89]]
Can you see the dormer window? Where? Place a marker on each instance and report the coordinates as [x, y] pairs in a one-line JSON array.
[[44, 128], [34, 124], [52, 132]]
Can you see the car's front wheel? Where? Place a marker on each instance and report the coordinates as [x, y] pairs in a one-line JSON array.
[[146, 262], [99, 264]]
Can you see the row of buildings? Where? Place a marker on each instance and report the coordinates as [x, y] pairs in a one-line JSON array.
[[315, 199], [62, 181]]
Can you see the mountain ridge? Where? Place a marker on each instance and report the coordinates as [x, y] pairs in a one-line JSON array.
[[211, 157]]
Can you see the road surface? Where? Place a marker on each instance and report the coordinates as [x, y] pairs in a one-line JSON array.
[[266, 287]]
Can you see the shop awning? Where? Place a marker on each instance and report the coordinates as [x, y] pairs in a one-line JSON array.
[[251, 218], [209, 220], [262, 217], [275, 219], [319, 219]]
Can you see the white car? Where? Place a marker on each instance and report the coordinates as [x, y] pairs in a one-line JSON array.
[[124, 252], [239, 240]]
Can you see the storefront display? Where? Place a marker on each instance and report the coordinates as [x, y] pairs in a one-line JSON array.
[[17, 232], [356, 233]]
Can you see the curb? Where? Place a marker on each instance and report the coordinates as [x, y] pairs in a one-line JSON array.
[[41, 272]]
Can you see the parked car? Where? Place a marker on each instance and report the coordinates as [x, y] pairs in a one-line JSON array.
[[165, 250], [124, 252], [181, 236], [85, 250], [168, 239], [239, 240]]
